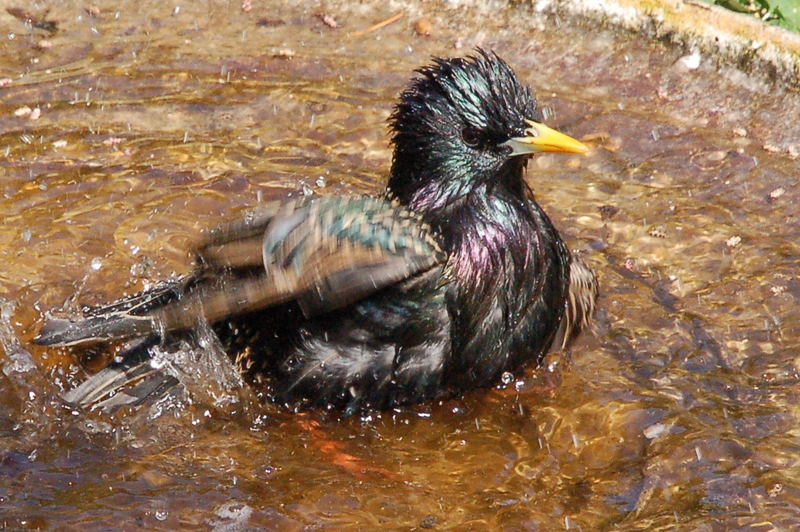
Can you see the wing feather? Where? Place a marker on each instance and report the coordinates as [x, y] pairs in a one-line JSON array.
[[324, 252]]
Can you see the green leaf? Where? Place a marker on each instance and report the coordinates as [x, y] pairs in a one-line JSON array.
[[788, 12]]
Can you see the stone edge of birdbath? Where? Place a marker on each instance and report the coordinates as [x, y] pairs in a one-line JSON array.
[[748, 43]]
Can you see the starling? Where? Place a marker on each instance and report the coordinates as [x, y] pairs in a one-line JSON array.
[[451, 279]]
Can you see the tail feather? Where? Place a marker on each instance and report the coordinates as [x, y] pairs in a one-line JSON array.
[[134, 365], [130, 317], [95, 329], [154, 385], [146, 372]]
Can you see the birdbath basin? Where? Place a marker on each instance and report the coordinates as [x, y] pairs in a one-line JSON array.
[[125, 131]]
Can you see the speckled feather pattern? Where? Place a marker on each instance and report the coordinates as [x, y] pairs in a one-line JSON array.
[[453, 278]]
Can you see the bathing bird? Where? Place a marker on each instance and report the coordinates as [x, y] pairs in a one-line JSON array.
[[453, 279]]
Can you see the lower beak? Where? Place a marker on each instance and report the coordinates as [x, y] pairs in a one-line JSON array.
[[538, 137]]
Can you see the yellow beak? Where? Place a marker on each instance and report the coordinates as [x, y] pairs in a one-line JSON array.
[[538, 137]]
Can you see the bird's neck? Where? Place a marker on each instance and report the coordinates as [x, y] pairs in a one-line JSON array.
[[454, 205], [443, 189], [485, 227]]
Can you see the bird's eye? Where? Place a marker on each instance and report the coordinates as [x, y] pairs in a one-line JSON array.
[[471, 136]]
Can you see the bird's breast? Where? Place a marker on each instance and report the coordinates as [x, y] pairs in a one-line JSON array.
[[506, 296]]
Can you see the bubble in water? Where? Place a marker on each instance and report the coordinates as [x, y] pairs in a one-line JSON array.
[[507, 377], [232, 515], [97, 263]]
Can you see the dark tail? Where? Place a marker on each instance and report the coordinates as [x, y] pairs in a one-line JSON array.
[[98, 329], [193, 363], [136, 316], [160, 320]]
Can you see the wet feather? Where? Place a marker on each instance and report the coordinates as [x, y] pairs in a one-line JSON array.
[[455, 277]]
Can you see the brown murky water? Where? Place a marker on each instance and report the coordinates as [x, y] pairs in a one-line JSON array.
[[156, 119]]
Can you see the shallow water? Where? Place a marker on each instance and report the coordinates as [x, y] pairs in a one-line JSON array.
[[158, 119]]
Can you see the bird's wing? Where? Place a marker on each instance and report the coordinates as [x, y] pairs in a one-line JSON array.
[[324, 252], [580, 304]]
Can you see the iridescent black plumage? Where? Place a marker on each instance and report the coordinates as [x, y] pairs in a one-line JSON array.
[[455, 278]]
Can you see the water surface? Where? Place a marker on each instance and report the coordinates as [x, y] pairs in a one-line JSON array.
[[157, 119]]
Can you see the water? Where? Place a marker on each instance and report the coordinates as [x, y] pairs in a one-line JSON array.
[[157, 121]]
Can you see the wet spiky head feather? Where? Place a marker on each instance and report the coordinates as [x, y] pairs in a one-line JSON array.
[[451, 123]]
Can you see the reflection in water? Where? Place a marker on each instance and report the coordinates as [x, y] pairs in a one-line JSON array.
[[680, 410]]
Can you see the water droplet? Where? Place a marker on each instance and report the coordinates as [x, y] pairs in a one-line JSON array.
[[691, 61], [320, 182], [161, 515], [507, 377], [654, 431], [97, 263]]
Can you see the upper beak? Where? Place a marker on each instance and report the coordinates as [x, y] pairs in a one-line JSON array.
[[538, 137]]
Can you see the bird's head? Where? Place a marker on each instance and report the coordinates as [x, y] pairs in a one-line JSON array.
[[466, 125]]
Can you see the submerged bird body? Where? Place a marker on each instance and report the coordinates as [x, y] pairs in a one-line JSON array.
[[454, 278]]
